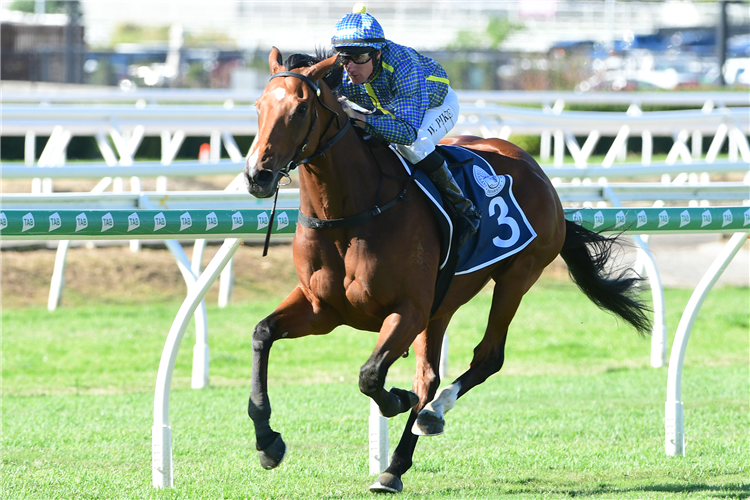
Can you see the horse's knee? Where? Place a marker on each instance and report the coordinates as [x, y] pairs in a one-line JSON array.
[[370, 378], [263, 334]]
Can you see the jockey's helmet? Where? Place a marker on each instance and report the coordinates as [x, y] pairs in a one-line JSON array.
[[359, 30]]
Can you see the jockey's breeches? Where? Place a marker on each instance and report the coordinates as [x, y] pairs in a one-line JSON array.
[[438, 121]]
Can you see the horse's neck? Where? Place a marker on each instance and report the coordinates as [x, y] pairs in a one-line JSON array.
[[342, 183]]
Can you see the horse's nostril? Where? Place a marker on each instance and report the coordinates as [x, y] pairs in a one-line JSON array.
[[263, 176]]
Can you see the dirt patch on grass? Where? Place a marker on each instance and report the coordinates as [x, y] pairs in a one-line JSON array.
[[114, 274]]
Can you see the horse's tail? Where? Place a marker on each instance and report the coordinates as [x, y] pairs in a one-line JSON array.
[[586, 253]]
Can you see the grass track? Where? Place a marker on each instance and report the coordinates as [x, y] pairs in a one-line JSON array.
[[576, 411]]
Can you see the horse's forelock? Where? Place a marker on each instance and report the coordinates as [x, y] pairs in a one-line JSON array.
[[295, 61], [332, 78]]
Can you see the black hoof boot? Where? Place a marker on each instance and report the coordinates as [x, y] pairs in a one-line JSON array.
[[387, 483], [272, 456], [405, 402]]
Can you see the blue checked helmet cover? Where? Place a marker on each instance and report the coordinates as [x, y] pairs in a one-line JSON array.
[[358, 30]]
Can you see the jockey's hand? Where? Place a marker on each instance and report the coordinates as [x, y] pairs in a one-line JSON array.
[[354, 115]]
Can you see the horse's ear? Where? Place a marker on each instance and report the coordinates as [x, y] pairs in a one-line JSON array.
[[322, 68], [274, 61]]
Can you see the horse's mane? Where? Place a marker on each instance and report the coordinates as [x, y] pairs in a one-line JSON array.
[[332, 78]]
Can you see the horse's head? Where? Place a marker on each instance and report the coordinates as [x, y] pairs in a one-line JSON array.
[[288, 128]]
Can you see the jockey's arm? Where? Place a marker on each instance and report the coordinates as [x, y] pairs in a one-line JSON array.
[[403, 115], [395, 126]]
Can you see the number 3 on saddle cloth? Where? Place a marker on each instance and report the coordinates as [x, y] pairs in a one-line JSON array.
[[503, 231]]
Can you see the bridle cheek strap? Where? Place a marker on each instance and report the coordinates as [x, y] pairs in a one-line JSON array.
[[315, 88], [294, 164]]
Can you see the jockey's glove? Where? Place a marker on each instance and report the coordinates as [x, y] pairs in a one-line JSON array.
[[350, 112]]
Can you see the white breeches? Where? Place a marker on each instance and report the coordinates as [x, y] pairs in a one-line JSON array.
[[436, 124]]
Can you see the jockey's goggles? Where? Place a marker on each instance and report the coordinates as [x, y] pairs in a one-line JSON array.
[[358, 59]]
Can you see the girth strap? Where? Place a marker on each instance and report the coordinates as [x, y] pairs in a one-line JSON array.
[[351, 221]]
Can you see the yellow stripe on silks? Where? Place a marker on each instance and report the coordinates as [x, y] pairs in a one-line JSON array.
[[431, 77], [375, 101], [439, 79]]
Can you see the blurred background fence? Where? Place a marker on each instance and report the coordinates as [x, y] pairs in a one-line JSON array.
[[488, 45]]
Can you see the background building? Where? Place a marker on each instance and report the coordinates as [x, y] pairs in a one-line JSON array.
[[541, 44]]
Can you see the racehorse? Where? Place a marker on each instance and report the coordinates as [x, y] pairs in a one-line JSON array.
[[366, 253]]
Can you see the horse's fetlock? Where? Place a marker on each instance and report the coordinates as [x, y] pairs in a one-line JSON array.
[[369, 379], [259, 408], [399, 465]]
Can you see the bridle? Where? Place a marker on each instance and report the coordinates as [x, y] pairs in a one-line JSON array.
[[320, 152], [312, 222]]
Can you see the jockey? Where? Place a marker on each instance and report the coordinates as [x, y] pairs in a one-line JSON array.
[[412, 105]]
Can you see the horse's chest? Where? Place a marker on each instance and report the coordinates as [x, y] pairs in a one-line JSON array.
[[349, 282]]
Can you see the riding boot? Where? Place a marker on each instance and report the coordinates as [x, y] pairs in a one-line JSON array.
[[467, 217]]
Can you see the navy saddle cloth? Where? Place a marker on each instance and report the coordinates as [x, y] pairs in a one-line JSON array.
[[503, 231]]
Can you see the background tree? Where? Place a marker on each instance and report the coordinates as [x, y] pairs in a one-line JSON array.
[[50, 6]]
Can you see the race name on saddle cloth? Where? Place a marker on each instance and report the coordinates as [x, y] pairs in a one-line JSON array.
[[504, 230]]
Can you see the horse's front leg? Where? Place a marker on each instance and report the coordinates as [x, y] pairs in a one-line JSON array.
[[398, 331], [293, 318]]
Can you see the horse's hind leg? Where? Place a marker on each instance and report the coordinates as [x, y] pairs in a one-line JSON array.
[[489, 355], [427, 348], [293, 318]]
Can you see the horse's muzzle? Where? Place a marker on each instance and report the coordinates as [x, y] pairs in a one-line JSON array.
[[260, 183]]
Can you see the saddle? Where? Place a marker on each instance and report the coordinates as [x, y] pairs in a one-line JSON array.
[[504, 229]]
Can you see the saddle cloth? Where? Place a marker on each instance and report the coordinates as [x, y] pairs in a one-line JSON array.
[[503, 230]]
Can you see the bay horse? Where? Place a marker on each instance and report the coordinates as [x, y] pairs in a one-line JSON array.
[[374, 269]]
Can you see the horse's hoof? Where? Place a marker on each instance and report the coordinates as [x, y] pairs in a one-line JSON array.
[[409, 399], [387, 483], [428, 424], [406, 401], [272, 456]]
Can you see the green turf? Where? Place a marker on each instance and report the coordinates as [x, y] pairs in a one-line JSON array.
[[576, 411]]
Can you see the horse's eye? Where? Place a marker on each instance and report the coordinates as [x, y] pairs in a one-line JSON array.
[[302, 110]]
